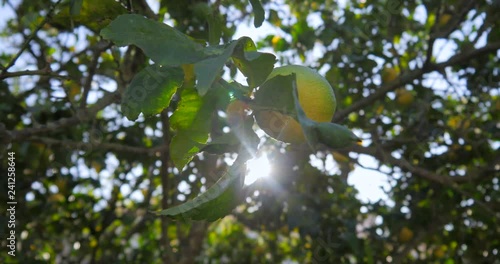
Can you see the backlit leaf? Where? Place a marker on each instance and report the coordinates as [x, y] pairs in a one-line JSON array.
[[256, 66], [192, 123], [218, 200]]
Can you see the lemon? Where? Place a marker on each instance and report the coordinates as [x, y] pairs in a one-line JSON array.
[[405, 234], [440, 251], [389, 74], [339, 157], [404, 97], [275, 40], [444, 19], [458, 122], [315, 96]]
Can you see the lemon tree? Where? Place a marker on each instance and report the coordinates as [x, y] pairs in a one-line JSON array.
[[113, 117], [196, 80]]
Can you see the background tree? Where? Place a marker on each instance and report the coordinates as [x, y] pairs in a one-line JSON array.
[[419, 82]]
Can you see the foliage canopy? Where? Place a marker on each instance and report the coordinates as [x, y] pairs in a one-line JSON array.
[[115, 111]]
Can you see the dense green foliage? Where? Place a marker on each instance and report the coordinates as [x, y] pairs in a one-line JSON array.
[[418, 81]]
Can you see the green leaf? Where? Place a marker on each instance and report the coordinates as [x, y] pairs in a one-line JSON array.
[[151, 91], [186, 114], [75, 6], [334, 135], [183, 148], [192, 123], [223, 144], [93, 14], [210, 69], [218, 201], [258, 11], [162, 43], [256, 66], [236, 89], [215, 25]]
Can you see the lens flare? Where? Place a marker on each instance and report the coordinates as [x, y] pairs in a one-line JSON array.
[[257, 168]]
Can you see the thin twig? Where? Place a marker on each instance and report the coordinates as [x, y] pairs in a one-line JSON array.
[[90, 76], [43, 72], [413, 75], [451, 182], [147, 10], [31, 36]]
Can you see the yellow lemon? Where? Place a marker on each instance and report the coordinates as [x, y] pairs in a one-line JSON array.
[[458, 122], [341, 158], [404, 97], [315, 96], [275, 40], [405, 234], [389, 74], [440, 251], [444, 19]]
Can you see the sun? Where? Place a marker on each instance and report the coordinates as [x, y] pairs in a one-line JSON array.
[[257, 168]]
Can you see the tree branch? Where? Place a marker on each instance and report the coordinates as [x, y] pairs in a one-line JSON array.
[[82, 115], [451, 182], [168, 256], [147, 11], [452, 25], [405, 78], [415, 74], [466, 56], [96, 145]]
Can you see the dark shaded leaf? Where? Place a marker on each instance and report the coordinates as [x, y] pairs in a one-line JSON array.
[[151, 91], [93, 14], [215, 26], [255, 65], [162, 43], [258, 11], [208, 70], [75, 7], [276, 94]]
